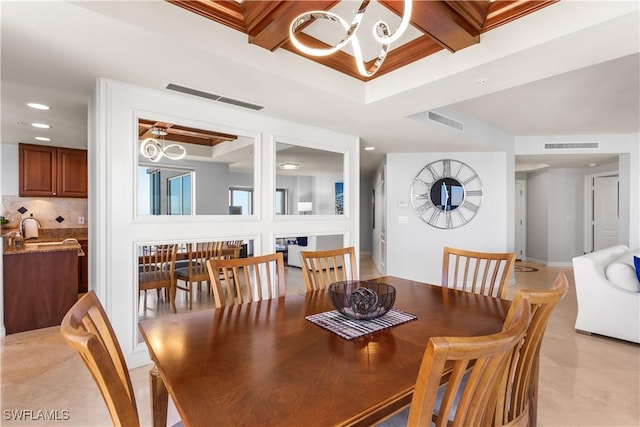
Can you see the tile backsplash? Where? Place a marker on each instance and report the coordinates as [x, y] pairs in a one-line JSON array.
[[51, 212]]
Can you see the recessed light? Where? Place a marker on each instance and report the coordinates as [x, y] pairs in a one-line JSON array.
[[289, 166], [43, 138], [38, 106], [40, 125], [369, 148]]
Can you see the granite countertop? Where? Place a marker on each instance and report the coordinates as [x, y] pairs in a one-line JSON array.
[[47, 239]]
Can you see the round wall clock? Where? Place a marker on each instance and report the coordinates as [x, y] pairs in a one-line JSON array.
[[446, 193]]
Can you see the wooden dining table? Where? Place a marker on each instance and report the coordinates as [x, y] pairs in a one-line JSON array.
[[264, 364]]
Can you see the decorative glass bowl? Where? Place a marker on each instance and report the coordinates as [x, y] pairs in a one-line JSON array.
[[362, 299]]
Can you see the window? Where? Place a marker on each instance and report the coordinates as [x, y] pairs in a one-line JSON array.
[[281, 201], [240, 201], [179, 195]]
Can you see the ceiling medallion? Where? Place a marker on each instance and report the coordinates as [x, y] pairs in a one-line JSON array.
[[381, 33], [154, 149]]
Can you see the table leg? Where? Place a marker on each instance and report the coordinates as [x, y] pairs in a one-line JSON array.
[[159, 398]]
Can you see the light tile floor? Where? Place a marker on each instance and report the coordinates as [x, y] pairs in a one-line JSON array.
[[584, 380]]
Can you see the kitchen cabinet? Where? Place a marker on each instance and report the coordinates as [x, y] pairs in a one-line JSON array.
[[39, 288], [52, 171], [83, 268]]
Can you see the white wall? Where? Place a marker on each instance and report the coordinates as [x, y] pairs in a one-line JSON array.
[[116, 230], [414, 249]]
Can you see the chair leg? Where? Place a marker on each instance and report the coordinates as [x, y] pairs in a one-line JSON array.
[[190, 286]]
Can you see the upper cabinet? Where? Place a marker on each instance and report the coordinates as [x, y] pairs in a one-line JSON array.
[[52, 171]]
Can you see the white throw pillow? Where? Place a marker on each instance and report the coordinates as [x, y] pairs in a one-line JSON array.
[[622, 273]]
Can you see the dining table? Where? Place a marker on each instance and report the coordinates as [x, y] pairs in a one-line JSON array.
[[265, 363]]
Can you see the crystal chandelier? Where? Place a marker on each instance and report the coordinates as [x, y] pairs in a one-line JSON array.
[[154, 149], [381, 33]]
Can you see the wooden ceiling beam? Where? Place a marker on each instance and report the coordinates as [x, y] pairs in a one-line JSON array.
[[268, 22], [453, 24], [225, 12]]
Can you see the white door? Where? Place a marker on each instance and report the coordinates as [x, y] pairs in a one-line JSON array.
[[605, 212], [520, 229]]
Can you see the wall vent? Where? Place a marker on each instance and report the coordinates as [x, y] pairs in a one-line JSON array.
[[447, 121], [570, 145], [213, 97]]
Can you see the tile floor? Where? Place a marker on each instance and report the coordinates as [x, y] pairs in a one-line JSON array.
[[584, 380]]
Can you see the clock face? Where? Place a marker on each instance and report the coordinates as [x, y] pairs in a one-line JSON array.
[[446, 193]]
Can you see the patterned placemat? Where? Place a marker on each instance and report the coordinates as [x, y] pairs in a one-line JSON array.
[[348, 328]]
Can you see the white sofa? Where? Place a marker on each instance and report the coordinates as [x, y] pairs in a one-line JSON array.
[[608, 292], [314, 243]]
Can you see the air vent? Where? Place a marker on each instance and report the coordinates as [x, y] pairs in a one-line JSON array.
[[446, 121], [213, 97], [571, 145]]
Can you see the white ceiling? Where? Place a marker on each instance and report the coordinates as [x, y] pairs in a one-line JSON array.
[[571, 68]]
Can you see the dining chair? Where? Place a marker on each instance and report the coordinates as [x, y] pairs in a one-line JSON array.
[[518, 396], [247, 279], [321, 268], [486, 273], [473, 367], [156, 266], [195, 270], [86, 328]]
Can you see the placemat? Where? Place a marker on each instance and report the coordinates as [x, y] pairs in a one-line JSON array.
[[348, 328]]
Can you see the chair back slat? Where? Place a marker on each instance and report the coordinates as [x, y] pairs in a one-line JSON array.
[[485, 273], [246, 279], [321, 268], [88, 331]]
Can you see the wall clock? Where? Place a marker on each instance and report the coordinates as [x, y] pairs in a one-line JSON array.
[[446, 193]]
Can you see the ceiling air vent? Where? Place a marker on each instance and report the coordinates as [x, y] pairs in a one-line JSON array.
[[446, 121], [213, 97], [570, 145]]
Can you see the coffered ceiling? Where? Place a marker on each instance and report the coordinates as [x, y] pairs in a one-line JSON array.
[[435, 25], [570, 67]]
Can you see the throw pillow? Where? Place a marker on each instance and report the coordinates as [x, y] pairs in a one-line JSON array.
[[636, 262]]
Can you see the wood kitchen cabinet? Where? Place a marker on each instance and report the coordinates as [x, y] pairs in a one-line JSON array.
[[39, 289], [83, 268], [52, 171]]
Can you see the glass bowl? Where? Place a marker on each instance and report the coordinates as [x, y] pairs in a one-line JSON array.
[[362, 299]]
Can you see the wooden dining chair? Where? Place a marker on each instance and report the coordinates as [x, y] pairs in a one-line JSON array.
[[473, 367], [321, 268], [518, 396], [88, 331], [195, 270], [486, 273], [156, 266], [246, 279]]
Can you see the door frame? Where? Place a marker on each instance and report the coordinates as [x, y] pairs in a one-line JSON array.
[[523, 218], [588, 207]]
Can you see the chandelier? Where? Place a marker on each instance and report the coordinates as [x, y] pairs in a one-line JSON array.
[[154, 149], [381, 33]]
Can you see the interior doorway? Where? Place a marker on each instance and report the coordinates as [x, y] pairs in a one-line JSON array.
[[602, 211]]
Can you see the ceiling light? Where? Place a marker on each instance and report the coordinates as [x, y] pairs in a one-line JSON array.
[[154, 149], [40, 125], [289, 166], [369, 148], [43, 138], [381, 33], [37, 106]]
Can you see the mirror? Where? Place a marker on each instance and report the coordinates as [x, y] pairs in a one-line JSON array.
[[309, 181], [154, 263], [188, 171]]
